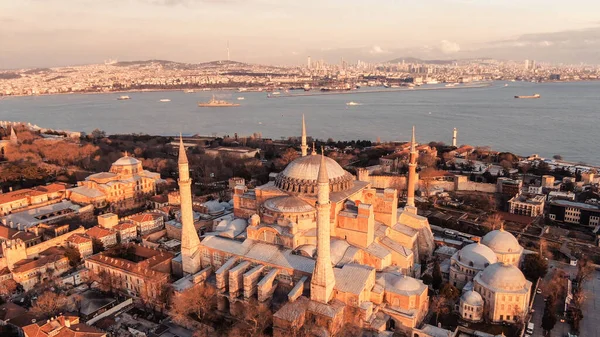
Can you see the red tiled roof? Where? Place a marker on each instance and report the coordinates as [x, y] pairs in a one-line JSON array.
[[98, 232], [18, 195], [51, 188], [79, 239], [144, 217], [29, 264]]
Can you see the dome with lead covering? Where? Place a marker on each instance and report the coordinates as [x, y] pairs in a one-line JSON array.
[[300, 176], [502, 277], [476, 256], [502, 242], [472, 298], [123, 161]]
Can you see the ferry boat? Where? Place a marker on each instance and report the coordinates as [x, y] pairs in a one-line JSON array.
[[164, 100], [122, 98], [352, 103], [215, 103], [240, 98], [531, 96], [189, 91]]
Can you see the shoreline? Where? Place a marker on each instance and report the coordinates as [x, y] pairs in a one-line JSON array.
[[487, 84]]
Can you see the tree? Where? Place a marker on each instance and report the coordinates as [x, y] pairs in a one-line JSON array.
[[97, 134], [427, 279], [506, 165], [97, 245], [585, 270], [427, 160], [450, 292], [494, 221], [440, 306], [49, 304], [549, 319], [73, 255], [534, 267], [193, 304], [436, 281], [557, 157], [7, 287]]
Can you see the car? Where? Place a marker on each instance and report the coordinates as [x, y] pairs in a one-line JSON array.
[[539, 291]]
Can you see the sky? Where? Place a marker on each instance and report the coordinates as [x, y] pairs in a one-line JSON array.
[[43, 33]]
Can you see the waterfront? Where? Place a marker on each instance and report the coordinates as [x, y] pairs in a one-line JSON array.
[[562, 122]]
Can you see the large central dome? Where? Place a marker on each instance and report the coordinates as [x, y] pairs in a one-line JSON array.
[[300, 176]]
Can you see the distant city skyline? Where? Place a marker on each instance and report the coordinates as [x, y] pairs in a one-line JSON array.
[[60, 32]]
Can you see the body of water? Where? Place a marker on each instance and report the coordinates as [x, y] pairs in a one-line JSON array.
[[563, 121]]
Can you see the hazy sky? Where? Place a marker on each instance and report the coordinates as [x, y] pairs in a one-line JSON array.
[[63, 32]]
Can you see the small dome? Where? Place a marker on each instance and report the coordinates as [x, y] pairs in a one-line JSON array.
[[288, 204], [406, 283], [124, 161], [472, 298], [502, 276], [476, 255], [300, 176], [501, 241]]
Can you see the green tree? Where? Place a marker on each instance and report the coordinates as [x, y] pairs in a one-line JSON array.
[[436, 275], [534, 267]]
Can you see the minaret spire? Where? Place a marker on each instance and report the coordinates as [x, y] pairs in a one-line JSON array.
[[323, 280], [190, 243], [412, 174], [304, 147], [182, 155]]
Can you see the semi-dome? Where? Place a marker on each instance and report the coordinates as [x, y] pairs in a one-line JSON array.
[[472, 298], [477, 256], [288, 204], [502, 276], [300, 176], [501, 241], [123, 161]]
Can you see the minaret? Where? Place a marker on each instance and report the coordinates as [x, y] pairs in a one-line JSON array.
[[13, 136], [304, 147], [454, 132], [190, 243], [323, 280], [412, 174]]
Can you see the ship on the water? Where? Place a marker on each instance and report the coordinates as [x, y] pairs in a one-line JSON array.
[[124, 97], [215, 103], [530, 96]]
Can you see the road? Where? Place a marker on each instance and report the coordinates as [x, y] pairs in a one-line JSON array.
[[591, 307]]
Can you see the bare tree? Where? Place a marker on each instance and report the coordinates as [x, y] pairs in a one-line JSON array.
[[494, 221], [49, 304], [196, 303], [440, 306]]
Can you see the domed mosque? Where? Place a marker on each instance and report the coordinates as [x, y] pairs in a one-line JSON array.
[[314, 229], [489, 271], [126, 180]]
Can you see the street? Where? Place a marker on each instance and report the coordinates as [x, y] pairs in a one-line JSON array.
[[591, 306]]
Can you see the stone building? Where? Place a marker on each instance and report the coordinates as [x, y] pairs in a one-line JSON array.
[[505, 292], [493, 286], [528, 205], [83, 243], [317, 230], [108, 237], [144, 275], [126, 181]]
